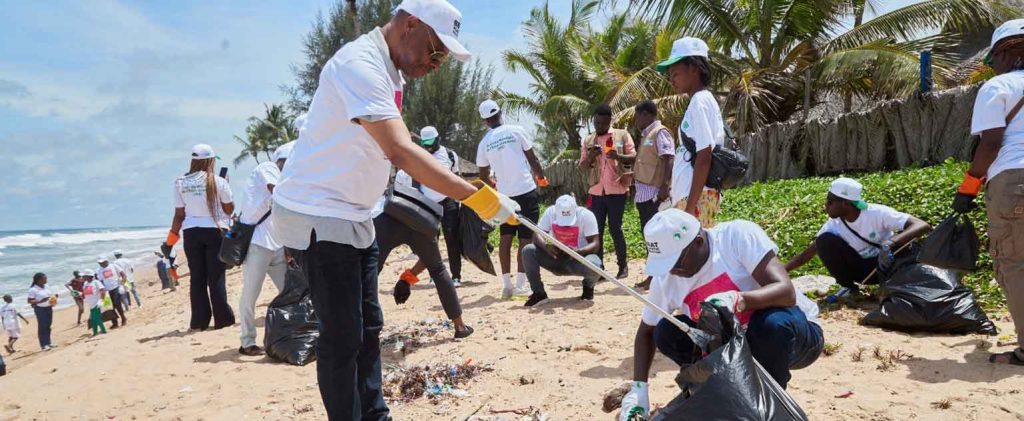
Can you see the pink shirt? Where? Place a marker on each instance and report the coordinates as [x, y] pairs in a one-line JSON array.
[[609, 183]]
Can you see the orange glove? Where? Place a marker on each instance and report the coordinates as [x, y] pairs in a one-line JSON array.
[[971, 185], [542, 181]]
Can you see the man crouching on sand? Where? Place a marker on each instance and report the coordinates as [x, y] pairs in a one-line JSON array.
[[733, 265]]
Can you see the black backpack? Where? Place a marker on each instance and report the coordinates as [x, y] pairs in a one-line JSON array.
[[728, 165]]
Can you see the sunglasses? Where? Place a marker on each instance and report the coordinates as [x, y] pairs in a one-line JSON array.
[[436, 56]]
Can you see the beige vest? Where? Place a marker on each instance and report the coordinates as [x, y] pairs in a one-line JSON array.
[[619, 138], [647, 169]]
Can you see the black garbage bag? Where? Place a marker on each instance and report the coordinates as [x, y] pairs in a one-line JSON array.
[[727, 384], [952, 245], [923, 298], [291, 328], [473, 233]]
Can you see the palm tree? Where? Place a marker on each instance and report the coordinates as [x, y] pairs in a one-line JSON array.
[[264, 135], [764, 47]]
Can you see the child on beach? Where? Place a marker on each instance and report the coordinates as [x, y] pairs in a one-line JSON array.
[[9, 318], [93, 294]]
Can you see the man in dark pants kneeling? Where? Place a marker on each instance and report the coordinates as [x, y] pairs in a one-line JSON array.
[[733, 265], [574, 226]]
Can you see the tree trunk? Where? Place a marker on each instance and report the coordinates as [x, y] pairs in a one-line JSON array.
[[355, 17]]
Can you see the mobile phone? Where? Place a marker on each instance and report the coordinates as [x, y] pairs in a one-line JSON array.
[[223, 172]]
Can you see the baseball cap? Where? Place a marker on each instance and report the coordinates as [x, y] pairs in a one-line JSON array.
[[87, 272], [444, 19], [101, 259], [284, 151], [489, 108], [849, 189], [565, 211], [1008, 29], [684, 47], [203, 151], [428, 135], [667, 234]]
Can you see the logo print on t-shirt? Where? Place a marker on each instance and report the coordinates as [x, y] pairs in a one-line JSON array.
[[722, 283], [398, 100], [566, 235]]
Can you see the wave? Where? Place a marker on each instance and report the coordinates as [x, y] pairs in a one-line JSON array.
[[58, 238]]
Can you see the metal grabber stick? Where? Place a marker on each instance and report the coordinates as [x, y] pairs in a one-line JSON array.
[[699, 337]]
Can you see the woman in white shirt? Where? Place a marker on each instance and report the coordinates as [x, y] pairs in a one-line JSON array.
[[42, 301], [203, 204]]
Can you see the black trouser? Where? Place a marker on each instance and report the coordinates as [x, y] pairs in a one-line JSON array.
[[207, 289], [116, 300], [391, 234], [842, 261], [450, 227], [343, 288], [611, 207], [647, 210]]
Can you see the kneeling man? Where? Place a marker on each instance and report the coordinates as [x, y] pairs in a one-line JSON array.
[[574, 226], [733, 265]]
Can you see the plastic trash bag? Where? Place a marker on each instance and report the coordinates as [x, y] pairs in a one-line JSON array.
[[727, 384], [952, 245], [923, 298], [291, 328], [473, 233]]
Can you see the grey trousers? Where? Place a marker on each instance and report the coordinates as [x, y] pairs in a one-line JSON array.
[[259, 263], [534, 259], [391, 234]]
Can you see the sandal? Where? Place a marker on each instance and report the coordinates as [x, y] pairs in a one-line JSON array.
[[464, 333], [1011, 358]]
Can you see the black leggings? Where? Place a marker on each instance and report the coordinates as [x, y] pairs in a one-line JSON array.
[[391, 233], [207, 290]]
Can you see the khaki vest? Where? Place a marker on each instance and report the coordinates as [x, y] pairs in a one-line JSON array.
[[647, 169], [619, 138]]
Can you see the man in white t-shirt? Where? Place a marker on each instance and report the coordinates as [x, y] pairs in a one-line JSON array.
[[576, 227], [339, 169], [112, 277], [129, 274], [733, 265], [998, 165], [858, 237], [265, 256], [508, 151]]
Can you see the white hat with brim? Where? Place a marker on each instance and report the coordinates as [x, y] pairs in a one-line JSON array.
[[565, 211], [489, 109], [428, 135], [848, 189], [682, 48], [284, 151], [203, 151], [444, 19], [667, 234], [102, 259], [1010, 28], [87, 272]]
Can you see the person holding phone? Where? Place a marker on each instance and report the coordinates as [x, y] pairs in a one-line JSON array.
[[202, 207]]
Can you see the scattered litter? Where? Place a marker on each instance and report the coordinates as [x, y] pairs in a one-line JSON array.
[[845, 395], [588, 348], [434, 381], [518, 411], [185, 389], [523, 380], [405, 338]]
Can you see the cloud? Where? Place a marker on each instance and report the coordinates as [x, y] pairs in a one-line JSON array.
[[10, 88]]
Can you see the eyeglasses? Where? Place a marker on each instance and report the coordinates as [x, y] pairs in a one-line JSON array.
[[436, 56]]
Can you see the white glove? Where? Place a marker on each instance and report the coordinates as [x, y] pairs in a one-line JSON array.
[[731, 300], [636, 402]]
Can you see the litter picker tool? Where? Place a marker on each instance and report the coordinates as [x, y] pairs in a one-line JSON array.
[[699, 337]]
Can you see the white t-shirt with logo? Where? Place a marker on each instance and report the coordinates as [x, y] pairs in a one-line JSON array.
[[737, 247], [337, 169], [190, 193], [441, 155], [574, 236], [503, 151], [877, 223], [40, 295], [995, 100], [703, 123], [9, 317], [109, 277], [126, 266], [91, 293], [257, 204]]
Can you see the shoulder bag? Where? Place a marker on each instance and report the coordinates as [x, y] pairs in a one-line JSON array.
[[235, 244]]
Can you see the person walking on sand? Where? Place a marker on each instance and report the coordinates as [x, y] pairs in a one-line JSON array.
[[42, 301], [574, 226], [74, 286], [265, 255], [9, 316], [509, 151], [700, 131], [998, 166], [339, 169], [163, 271], [93, 294], [202, 207], [129, 275], [111, 277], [607, 156]]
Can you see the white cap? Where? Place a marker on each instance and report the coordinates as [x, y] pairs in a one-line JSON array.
[[1008, 29], [684, 47], [86, 272], [299, 121], [488, 109], [444, 19], [428, 133], [667, 234], [203, 151], [284, 151], [101, 259], [565, 211]]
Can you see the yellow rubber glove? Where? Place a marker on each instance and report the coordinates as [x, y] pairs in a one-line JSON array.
[[492, 206]]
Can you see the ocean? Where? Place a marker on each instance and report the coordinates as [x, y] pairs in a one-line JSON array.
[[59, 252]]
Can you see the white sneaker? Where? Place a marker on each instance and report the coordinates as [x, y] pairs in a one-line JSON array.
[[506, 293], [522, 291], [457, 282]]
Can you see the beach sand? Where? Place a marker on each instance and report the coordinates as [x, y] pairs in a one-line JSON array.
[[560, 359]]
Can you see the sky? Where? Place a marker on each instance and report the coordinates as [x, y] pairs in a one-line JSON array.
[[101, 100]]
